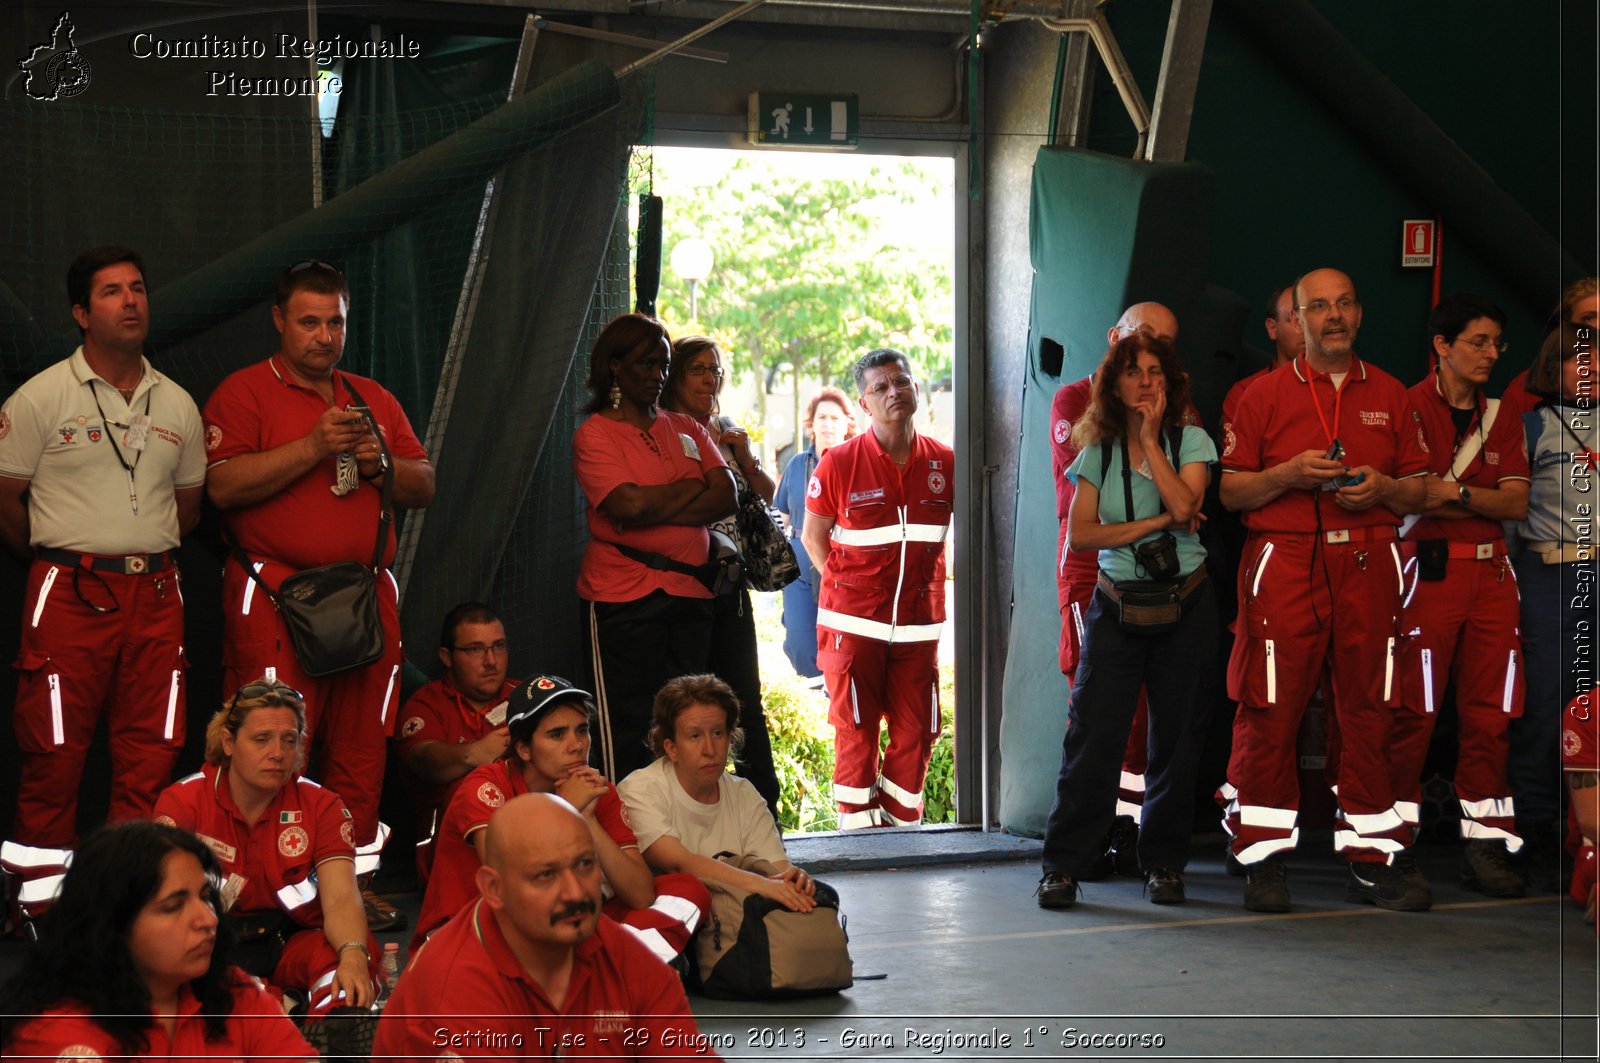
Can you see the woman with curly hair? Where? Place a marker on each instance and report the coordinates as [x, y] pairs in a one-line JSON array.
[[1140, 476], [133, 960], [654, 480]]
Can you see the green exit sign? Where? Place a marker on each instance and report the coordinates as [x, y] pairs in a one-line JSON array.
[[804, 120]]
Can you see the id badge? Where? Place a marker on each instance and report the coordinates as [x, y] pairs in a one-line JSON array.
[[232, 886], [691, 449], [497, 715], [138, 429]]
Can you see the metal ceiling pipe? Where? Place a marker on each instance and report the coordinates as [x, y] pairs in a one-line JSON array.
[[1116, 65], [1404, 138]]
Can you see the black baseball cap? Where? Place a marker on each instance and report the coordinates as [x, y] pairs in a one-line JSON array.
[[537, 695]]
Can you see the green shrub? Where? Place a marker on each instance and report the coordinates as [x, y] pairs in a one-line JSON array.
[[802, 751]]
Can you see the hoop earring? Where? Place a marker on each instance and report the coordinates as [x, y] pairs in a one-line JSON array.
[[616, 395]]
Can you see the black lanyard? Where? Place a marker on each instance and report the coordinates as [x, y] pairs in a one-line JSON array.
[[106, 423]]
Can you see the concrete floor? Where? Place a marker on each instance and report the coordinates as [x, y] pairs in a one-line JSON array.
[[969, 957]]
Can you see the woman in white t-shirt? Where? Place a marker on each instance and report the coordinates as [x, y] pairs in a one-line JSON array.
[[686, 809]]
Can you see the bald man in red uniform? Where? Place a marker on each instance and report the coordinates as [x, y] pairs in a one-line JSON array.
[[1322, 458]]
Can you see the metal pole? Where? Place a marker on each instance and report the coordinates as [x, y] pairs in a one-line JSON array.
[[689, 38]]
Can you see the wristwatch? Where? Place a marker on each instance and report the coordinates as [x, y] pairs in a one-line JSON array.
[[1465, 495]]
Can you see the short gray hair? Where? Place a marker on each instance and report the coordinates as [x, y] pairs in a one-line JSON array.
[[873, 359]]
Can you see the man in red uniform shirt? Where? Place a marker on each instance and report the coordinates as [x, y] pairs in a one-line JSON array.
[[101, 470], [532, 968], [1322, 458], [1461, 604], [457, 722], [1077, 570], [298, 477], [877, 513]]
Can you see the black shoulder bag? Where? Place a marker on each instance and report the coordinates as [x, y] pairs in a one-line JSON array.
[[332, 611], [1155, 605]]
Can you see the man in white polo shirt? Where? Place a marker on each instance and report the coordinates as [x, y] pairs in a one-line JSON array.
[[102, 465]]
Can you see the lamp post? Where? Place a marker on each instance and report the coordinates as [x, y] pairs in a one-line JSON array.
[[691, 260]]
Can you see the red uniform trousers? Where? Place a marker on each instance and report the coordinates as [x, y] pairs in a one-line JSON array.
[[666, 927], [1308, 601], [349, 716], [868, 681], [308, 963], [77, 662], [1462, 627], [1075, 588]]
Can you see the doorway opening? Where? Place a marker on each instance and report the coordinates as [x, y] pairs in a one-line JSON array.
[[797, 264]]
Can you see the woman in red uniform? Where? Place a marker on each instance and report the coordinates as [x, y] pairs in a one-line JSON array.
[[134, 961], [286, 849]]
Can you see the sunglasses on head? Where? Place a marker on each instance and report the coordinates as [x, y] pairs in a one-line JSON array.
[[306, 263], [261, 689]]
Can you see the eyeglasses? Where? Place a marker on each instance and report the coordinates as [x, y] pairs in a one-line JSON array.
[[1481, 344], [899, 383], [479, 649], [701, 370], [1344, 304]]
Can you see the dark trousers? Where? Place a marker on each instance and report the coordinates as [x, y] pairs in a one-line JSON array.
[[1104, 693], [1558, 631], [635, 647], [734, 659]]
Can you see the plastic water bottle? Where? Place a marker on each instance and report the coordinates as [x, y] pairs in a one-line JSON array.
[[391, 973]]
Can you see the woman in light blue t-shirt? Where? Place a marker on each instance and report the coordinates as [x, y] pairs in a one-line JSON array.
[[1141, 477]]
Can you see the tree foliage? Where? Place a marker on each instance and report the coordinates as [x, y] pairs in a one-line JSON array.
[[804, 279]]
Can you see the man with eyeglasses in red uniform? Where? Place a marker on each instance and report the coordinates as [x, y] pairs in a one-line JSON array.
[[1323, 457]]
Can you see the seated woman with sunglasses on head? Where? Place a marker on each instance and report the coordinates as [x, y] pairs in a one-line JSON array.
[[285, 846], [134, 961]]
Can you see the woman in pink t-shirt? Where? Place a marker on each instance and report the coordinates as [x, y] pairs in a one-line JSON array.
[[653, 480]]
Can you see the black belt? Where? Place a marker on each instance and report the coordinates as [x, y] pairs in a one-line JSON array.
[[128, 565]]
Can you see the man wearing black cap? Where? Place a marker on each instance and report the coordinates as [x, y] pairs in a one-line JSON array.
[[548, 720]]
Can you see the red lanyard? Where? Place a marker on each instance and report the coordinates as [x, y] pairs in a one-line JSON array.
[[1338, 398]]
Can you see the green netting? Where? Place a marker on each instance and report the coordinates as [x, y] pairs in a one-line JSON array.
[[218, 203]]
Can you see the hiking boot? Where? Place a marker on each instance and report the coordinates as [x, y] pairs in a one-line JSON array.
[[381, 915], [1405, 862], [1123, 846], [1056, 891], [1266, 885], [1388, 887], [1486, 867], [1164, 886]]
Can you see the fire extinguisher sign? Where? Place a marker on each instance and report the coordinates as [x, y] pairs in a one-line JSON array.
[[1417, 242]]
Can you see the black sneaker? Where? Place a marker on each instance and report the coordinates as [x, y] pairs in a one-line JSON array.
[[1388, 887], [1164, 886], [1486, 867], [345, 1033], [1266, 885], [1123, 846], [1056, 891]]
